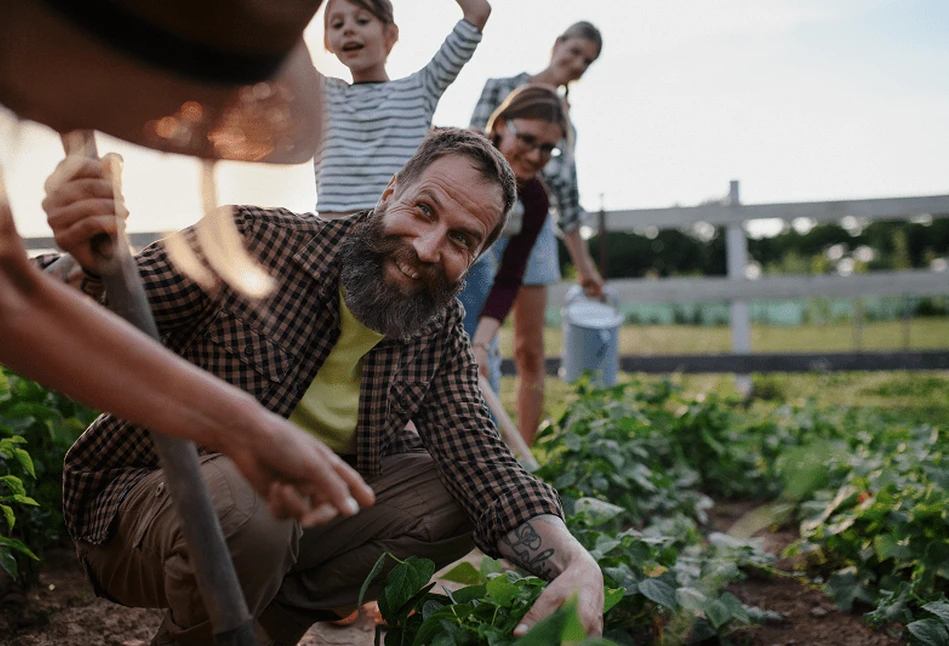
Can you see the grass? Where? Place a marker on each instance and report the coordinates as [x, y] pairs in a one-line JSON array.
[[929, 333], [917, 396]]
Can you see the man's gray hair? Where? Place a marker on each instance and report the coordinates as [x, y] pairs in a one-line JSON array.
[[485, 158]]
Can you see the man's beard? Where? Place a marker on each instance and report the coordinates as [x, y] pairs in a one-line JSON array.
[[379, 304]]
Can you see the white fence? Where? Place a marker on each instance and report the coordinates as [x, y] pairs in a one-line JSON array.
[[738, 289]]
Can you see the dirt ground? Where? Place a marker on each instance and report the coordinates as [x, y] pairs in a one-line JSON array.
[[62, 611]]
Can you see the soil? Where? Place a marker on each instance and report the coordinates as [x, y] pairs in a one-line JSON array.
[[62, 610]]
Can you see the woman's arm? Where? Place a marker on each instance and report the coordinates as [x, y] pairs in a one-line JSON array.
[[589, 276]]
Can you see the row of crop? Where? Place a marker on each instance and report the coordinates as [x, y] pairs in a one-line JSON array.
[[636, 464], [37, 426]]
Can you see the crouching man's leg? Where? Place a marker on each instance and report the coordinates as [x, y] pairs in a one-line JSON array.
[[414, 515], [146, 564]]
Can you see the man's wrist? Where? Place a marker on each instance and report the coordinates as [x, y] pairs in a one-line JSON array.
[[69, 271]]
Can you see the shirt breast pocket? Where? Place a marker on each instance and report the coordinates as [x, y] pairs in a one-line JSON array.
[[242, 355], [404, 400]]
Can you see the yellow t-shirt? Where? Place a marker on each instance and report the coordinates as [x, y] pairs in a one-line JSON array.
[[330, 407]]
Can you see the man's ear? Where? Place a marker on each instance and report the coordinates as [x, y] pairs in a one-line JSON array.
[[389, 191]]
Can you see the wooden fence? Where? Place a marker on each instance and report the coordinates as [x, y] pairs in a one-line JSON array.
[[739, 289]]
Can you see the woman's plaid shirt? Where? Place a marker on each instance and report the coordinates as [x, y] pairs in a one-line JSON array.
[[273, 349]]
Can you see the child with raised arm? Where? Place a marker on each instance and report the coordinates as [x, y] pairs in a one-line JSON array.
[[374, 124]]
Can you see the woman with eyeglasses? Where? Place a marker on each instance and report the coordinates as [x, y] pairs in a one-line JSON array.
[[573, 52], [528, 128]]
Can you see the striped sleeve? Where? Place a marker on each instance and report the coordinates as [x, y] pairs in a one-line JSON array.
[[445, 66]]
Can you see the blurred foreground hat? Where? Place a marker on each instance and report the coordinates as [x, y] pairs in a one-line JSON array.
[[219, 79]]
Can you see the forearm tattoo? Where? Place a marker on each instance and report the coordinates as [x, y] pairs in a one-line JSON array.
[[530, 553]]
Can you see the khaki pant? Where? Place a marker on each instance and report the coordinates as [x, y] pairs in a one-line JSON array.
[[291, 577]]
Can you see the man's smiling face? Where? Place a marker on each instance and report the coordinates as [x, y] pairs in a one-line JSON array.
[[403, 266]]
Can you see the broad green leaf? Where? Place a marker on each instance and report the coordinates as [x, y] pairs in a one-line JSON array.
[[14, 484], [563, 625], [598, 511], [940, 609], [464, 573], [490, 566], [929, 632], [717, 613], [691, 599], [658, 591], [25, 461], [611, 597], [368, 580], [433, 625], [8, 515], [17, 545], [501, 591], [735, 607], [403, 583], [8, 563], [468, 593]]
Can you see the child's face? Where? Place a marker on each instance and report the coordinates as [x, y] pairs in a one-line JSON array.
[[359, 39]]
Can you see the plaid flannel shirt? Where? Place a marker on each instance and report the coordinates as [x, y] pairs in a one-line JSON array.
[[273, 349]]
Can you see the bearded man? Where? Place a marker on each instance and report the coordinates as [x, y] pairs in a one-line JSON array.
[[362, 335]]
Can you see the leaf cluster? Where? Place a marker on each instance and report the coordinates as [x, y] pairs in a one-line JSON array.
[[483, 612], [37, 426]]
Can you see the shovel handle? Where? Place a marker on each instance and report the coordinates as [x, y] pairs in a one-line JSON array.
[[509, 431], [83, 142], [214, 570]]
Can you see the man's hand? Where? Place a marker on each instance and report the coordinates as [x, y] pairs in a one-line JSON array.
[[544, 547], [298, 475], [82, 201]]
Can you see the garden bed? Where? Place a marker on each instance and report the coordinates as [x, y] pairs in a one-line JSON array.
[[62, 611]]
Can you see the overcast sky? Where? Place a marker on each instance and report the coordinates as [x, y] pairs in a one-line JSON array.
[[799, 100]]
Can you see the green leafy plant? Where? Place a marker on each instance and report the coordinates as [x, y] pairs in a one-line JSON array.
[[13, 492], [47, 424], [484, 612]]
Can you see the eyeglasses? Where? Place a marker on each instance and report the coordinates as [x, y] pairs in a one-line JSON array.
[[528, 143]]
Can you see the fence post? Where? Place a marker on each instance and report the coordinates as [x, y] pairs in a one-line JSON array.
[[736, 257], [602, 238]]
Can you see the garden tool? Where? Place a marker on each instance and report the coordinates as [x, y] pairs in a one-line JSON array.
[[214, 570], [509, 431]]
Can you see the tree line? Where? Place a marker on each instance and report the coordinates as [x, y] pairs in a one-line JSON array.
[[824, 248]]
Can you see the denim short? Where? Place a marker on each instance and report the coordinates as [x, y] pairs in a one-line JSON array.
[[478, 284], [543, 266]]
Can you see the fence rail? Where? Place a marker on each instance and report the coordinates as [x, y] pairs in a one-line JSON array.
[[738, 289]]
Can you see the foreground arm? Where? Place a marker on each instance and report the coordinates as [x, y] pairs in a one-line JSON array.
[[544, 547], [70, 344]]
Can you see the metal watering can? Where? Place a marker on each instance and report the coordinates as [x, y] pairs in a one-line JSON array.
[[590, 336]]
